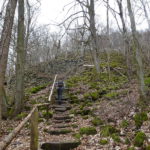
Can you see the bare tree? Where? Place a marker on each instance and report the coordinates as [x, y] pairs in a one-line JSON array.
[[4, 48], [144, 4], [126, 39], [137, 49], [91, 10], [20, 59]]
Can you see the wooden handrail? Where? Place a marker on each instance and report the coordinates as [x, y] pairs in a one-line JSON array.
[[50, 96], [7, 140], [33, 115]]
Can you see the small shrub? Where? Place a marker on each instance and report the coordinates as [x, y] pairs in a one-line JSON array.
[[88, 130], [140, 118], [97, 122], [48, 114], [21, 116], [103, 142], [94, 95], [108, 131], [124, 124], [115, 137], [139, 139]]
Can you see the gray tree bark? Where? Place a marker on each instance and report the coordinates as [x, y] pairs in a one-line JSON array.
[[4, 49], [137, 49], [126, 40], [94, 44], [19, 97]]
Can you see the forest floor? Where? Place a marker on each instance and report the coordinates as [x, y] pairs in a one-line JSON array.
[[106, 114]]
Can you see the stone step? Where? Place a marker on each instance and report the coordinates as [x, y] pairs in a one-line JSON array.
[[62, 121], [59, 131], [61, 117], [68, 107], [60, 145], [63, 109], [61, 102], [62, 126]]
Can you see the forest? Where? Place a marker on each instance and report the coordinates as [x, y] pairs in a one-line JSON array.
[[75, 75]]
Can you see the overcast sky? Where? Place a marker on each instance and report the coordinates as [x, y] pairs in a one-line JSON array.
[[53, 11]]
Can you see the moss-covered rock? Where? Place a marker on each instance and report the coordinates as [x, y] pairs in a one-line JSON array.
[[140, 118], [139, 139], [85, 117], [103, 141], [88, 130], [97, 121], [77, 136]]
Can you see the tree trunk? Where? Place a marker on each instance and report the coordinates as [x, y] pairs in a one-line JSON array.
[[137, 50], [4, 46], [126, 40], [20, 60], [94, 41]]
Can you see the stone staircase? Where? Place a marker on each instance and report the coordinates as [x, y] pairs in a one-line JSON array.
[[60, 128]]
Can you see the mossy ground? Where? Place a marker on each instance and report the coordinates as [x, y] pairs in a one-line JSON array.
[[103, 141], [36, 89], [108, 130], [97, 121], [140, 118], [88, 130], [139, 139]]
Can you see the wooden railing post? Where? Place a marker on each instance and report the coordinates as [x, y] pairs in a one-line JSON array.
[[34, 130]]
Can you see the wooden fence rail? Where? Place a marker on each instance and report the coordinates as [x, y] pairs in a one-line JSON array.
[[33, 116]]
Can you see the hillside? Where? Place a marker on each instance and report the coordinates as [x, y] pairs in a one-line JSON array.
[[106, 109]]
